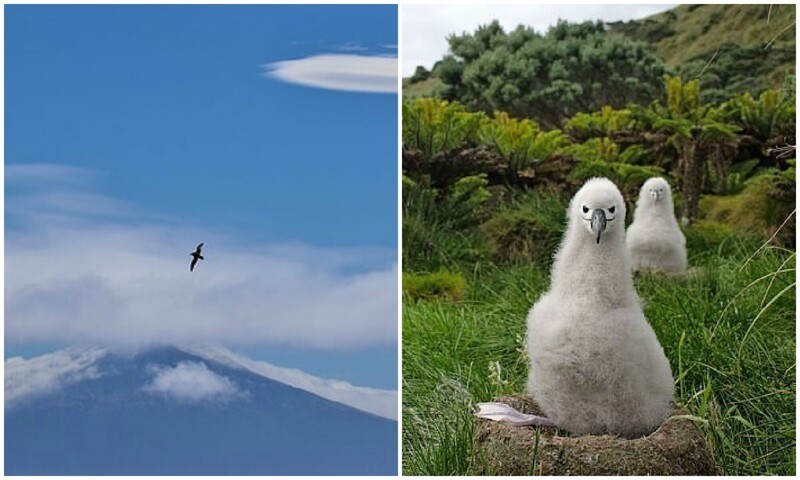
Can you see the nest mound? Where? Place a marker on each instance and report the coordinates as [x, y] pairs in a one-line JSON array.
[[676, 448]]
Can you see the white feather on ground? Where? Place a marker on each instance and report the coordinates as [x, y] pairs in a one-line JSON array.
[[654, 239], [596, 366]]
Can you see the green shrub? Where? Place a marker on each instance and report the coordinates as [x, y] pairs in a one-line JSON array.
[[527, 230], [595, 149], [709, 239], [603, 149], [438, 228], [738, 175], [629, 178], [428, 247], [603, 123], [522, 143], [434, 126], [440, 284], [636, 155], [756, 209], [549, 77], [460, 207], [760, 116], [463, 204]]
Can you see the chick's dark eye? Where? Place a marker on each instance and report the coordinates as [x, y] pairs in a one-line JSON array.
[[585, 209], [611, 209]]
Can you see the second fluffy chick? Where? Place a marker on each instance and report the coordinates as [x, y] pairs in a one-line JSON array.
[[654, 239]]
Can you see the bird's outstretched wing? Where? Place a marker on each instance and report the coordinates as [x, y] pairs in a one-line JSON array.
[[194, 262], [199, 248]]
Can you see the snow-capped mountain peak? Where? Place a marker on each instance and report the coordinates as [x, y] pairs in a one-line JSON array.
[[171, 411]]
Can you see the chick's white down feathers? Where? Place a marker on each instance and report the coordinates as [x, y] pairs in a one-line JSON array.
[[654, 239], [596, 366]]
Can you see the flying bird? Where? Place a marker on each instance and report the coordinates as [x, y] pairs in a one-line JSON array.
[[196, 255], [654, 239], [596, 366]]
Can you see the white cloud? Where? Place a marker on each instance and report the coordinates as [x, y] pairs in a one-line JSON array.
[[48, 373], [379, 402], [426, 27], [352, 73], [121, 281], [191, 382]]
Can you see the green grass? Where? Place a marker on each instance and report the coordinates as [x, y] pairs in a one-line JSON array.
[[745, 25], [728, 330], [440, 284], [699, 30], [432, 87]]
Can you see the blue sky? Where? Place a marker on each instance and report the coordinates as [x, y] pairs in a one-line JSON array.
[[269, 132]]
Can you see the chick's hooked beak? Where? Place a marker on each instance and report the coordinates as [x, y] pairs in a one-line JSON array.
[[598, 222]]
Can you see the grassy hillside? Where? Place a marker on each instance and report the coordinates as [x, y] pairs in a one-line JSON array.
[[431, 87], [690, 32]]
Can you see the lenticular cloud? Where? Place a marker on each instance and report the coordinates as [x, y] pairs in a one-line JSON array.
[[353, 73]]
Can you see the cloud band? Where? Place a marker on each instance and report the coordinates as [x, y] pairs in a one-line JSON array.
[[351, 73]]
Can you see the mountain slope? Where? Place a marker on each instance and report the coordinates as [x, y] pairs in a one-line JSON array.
[[693, 33], [166, 411], [380, 402]]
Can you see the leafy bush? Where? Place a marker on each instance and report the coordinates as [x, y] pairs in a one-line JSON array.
[[527, 230], [440, 284], [755, 209], [636, 155], [461, 207], [765, 118], [434, 126], [601, 149], [739, 173], [550, 77], [629, 178], [521, 142], [708, 237], [437, 225], [603, 123]]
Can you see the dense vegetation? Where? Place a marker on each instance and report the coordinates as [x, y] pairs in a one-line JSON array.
[[484, 199], [731, 49], [571, 68], [703, 148]]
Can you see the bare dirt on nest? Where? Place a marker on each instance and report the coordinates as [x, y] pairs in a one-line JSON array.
[[676, 448]]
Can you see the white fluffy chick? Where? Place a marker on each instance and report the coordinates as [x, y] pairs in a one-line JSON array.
[[654, 239], [596, 366]]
